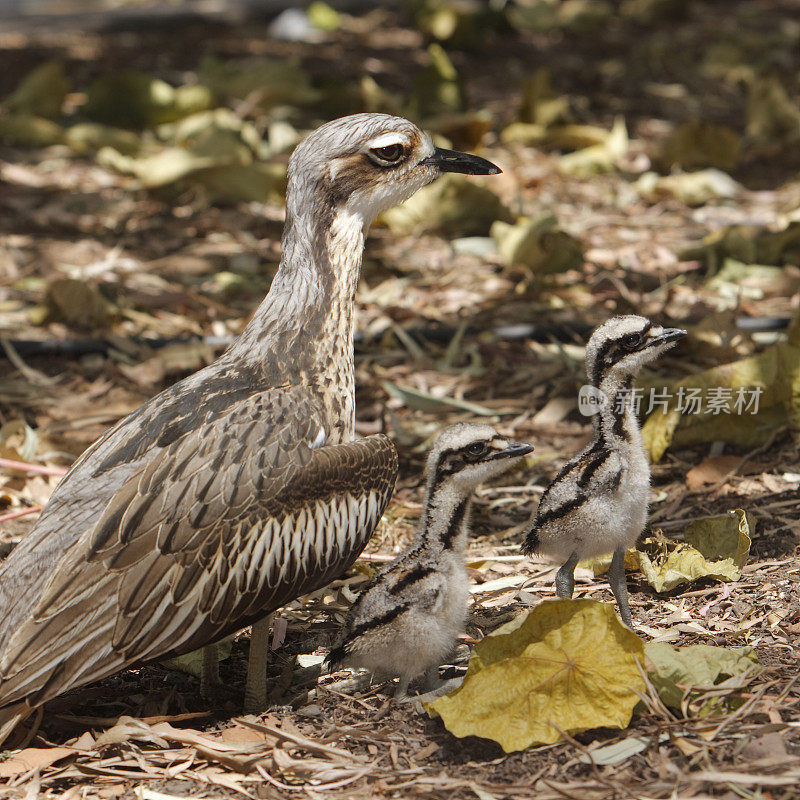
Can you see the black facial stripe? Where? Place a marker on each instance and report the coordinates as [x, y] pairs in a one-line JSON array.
[[455, 524], [454, 460], [416, 574], [611, 351]]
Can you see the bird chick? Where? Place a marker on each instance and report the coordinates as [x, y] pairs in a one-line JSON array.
[[597, 504], [408, 620]]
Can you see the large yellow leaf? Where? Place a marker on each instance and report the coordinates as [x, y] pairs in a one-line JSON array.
[[568, 666]]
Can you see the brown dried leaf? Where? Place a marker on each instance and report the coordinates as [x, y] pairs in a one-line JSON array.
[[32, 758]]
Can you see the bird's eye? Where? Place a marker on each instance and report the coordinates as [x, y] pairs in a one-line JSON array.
[[476, 449], [390, 154], [632, 341]]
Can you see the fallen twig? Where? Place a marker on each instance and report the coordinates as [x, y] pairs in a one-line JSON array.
[[32, 469], [21, 512]]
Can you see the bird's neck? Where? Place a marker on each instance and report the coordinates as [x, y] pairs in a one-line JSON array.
[[616, 426], [304, 326], [445, 519]]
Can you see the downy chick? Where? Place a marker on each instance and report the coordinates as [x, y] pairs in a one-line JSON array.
[[597, 504], [408, 620]]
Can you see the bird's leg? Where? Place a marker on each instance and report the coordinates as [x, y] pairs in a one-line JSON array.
[[619, 585], [255, 690], [209, 675], [565, 577], [402, 687], [431, 680]]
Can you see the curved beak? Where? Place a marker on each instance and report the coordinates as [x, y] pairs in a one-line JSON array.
[[455, 161], [512, 450]]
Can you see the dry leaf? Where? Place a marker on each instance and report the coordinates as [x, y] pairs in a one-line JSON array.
[[32, 758], [132, 99], [699, 143], [568, 665], [691, 188], [537, 244], [598, 158], [673, 670], [711, 471], [453, 206], [716, 547], [41, 93]]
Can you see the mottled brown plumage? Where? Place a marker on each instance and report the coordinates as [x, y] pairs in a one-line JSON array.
[[238, 488]]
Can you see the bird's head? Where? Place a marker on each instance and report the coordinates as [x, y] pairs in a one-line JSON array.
[[467, 454], [623, 345], [367, 163]]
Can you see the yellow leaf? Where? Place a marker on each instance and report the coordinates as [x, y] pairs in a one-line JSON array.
[[763, 394], [598, 158], [691, 188], [437, 87], [132, 99], [771, 113], [717, 547], [673, 670], [540, 103], [41, 93], [569, 665], [23, 130], [538, 244], [264, 82], [77, 303], [453, 205], [699, 143]]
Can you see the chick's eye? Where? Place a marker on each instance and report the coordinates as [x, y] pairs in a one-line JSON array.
[[476, 448], [390, 154], [631, 341]]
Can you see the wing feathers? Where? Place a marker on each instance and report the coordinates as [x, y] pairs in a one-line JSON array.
[[182, 556]]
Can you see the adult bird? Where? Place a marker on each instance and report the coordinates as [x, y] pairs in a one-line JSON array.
[[240, 487]]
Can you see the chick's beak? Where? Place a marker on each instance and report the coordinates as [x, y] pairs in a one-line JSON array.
[[512, 450], [454, 161], [667, 336]]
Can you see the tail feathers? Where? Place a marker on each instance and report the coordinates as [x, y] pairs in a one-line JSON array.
[[10, 717], [531, 543], [336, 657]]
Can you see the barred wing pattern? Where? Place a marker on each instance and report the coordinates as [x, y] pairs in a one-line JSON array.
[[218, 530]]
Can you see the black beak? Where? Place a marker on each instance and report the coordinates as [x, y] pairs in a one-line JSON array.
[[666, 336], [466, 163], [512, 450]]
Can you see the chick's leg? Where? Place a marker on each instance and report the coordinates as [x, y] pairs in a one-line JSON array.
[[402, 687], [431, 680], [619, 585], [565, 577]]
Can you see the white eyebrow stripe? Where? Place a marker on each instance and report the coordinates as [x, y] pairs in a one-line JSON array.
[[387, 140]]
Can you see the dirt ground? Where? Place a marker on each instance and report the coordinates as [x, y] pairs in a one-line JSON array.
[[158, 256]]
